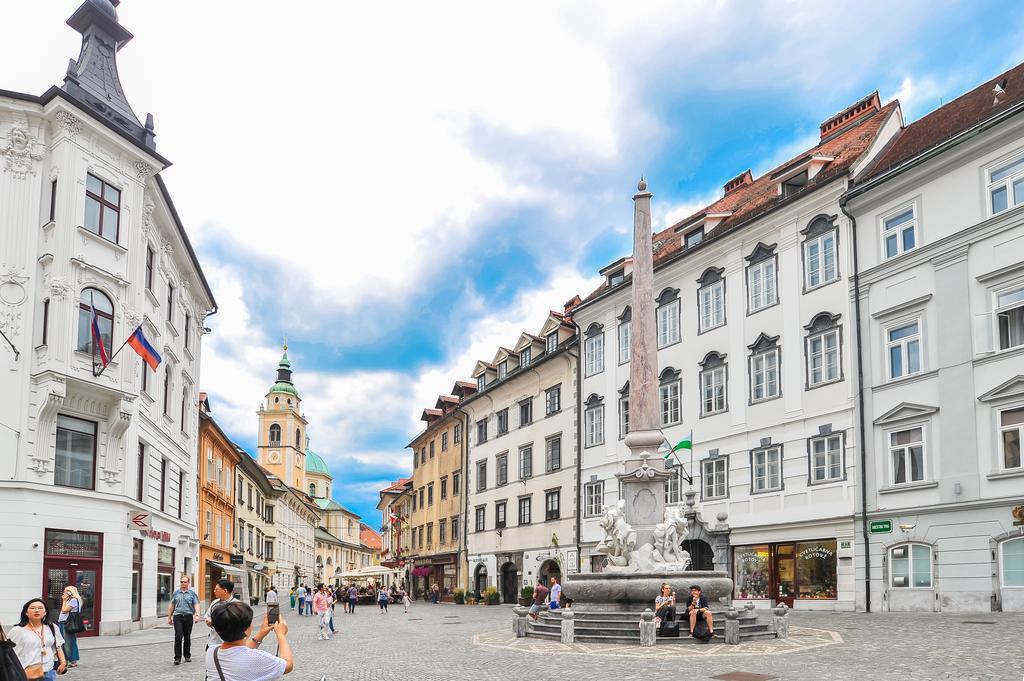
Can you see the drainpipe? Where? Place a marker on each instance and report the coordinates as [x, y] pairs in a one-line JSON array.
[[861, 428], [464, 539], [579, 449]]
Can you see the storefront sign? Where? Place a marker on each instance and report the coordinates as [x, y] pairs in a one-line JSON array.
[[162, 536], [237, 559], [573, 559], [219, 557], [140, 520], [880, 526]]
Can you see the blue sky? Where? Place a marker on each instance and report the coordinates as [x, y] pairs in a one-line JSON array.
[[400, 190]]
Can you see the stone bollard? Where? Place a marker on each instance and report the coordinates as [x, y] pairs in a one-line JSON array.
[[648, 630], [732, 627], [519, 624], [781, 617], [568, 625]]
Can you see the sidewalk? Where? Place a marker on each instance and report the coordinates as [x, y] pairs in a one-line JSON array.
[[163, 633]]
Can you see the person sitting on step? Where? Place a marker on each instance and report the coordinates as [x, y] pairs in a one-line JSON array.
[[665, 604], [697, 608]]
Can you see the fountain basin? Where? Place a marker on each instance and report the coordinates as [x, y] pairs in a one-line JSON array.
[[634, 591]]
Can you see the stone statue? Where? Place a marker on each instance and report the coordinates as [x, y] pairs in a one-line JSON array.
[[668, 537], [619, 541]]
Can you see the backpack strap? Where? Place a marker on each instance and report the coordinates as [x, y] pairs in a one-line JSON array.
[[216, 662]]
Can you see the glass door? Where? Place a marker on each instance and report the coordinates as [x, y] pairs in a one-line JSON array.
[[87, 579], [785, 574], [59, 574]]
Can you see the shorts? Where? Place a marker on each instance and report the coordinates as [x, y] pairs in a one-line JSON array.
[[534, 609]]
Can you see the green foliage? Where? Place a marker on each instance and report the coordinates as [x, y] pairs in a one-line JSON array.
[[492, 596], [526, 592], [460, 596]]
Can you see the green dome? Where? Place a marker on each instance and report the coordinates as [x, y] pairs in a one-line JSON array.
[[316, 464], [281, 387]]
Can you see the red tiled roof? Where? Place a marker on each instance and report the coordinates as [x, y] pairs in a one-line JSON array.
[[752, 200], [369, 538], [949, 120], [397, 485]]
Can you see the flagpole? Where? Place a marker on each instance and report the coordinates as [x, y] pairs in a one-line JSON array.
[[92, 339], [120, 347]]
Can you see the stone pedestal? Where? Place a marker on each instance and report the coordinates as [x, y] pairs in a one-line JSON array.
[[519, 623], [780, 615], [634, 591], [568, 625], [648, 630], [732, 627]]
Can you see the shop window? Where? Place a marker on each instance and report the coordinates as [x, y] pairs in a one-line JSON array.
[[73, 544], [816, 570], [751, 568], [910, 567], [1012, 561]]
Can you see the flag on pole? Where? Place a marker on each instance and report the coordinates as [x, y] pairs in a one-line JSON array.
[[97, 338], [392, 517], [685, 443], [146, 351]]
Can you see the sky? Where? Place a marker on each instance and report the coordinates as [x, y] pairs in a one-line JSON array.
[[400, 188]]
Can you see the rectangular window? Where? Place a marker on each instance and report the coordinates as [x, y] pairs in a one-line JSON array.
[[140, 482], [526, 412], [553, 400], [551, 342], [502, 469], [423, 455], [668, 323], [1006, 185], [625, 328], [525, 357], [481, 476], [552, 504], [499, 514], [444, 488], [903, 347], [457, 433], [481, 382], [766, 469], [481, 516], [444, 441], [712, 305], [441, 539], [46, 321], [712, 391], [827, 458], [502, 421], [820, 264], [481, 431], [53, 199], [455, 528], [761, 285], [150, 266], [102, 208], [170, 303], [906, 451], [668, 395], [423, 500], [764, 375], [524, 511], [674, 485], [456, 483], [593, 355], [430, 534], [553, 454], [430, 494], [525, 463], [795, 184], [502, 370], [1011, 428], [899, 232], [693, 238], [714, 478], [823, 358], [181, 491], [163, 484], [431, 449], [1009, 312], [188, 330], [910, 566], [75, 463], [623, 417], [145, 378], [593, 498], [594, 426]]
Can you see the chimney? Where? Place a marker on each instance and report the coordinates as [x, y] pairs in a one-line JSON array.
[[864, 107], [742, 180], [570, 305]]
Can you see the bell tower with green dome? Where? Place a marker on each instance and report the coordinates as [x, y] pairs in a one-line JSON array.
[[282, 444]]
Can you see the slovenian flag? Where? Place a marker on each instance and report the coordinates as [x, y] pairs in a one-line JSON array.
[[685, 443], [97, 338], [146, 351]]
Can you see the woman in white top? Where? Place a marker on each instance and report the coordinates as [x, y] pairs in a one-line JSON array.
[[38, 642], [71, 601], [239, 657]]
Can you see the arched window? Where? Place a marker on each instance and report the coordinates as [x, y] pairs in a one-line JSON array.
[[1011, 558], [312, 490], [298, 437], [104, 318], [275, 434], [910, 566]]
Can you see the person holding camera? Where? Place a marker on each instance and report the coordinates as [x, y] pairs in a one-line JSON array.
[[239, 658]]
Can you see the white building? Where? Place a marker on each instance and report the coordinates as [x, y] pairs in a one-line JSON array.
[[521, 482], [85, 220], [296, 518], [940, 243], [753, 358]]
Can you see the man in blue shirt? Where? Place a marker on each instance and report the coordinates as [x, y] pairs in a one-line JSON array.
[[183, 612]]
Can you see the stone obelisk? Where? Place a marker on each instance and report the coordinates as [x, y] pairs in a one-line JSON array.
[[643, 475]]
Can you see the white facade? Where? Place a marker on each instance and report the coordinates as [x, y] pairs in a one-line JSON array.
[[521, 519], [296, 523], [754, 358], [81, 452], [943, 346]]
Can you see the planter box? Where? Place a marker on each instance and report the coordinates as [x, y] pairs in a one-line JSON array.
[[525, 602]]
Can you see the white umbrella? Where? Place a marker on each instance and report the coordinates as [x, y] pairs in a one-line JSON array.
[[374, 570]]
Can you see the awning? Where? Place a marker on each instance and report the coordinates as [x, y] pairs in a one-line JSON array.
[[375, 570], [233, 569]]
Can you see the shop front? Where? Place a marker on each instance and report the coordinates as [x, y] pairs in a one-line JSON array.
[[786, 572], [441, 570], [74, 558]]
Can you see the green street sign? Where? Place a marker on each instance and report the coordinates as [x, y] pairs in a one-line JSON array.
[[880, 526]]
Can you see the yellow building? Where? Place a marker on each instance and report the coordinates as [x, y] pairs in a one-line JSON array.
[[281, 446]]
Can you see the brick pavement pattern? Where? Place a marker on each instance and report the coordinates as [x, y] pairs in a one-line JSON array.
[[455, 643]]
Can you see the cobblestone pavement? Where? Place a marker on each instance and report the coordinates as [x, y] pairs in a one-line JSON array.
[[448, 642]]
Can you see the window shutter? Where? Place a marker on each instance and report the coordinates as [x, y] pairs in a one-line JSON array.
[[983, 341]]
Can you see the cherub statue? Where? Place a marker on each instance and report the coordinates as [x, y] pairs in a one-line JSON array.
[[668, 536], [619, 541]]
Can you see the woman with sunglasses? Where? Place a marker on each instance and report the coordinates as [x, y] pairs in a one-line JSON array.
[[38, 643]]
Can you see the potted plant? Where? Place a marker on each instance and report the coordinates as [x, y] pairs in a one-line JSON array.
[[526, 595], [460, 596], [492, 595]]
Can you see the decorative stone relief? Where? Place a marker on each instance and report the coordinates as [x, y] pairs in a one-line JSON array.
[[143, 170], [70, 123], [52, 399], [147, 214], [10, 322], [59, 288], [21, 151], [118, 420]]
